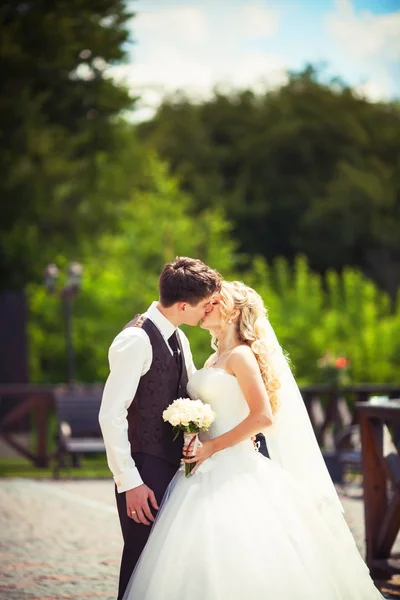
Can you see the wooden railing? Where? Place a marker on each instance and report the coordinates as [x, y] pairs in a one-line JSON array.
[[27, 401], [381, 471], [35, 403], [330, 410]]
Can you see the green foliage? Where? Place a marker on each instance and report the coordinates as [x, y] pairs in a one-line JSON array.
[[310, 168], [345, 314], [57, 126], [92, 467], [121, 275]]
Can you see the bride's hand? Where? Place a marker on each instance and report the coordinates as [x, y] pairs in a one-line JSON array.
[[202, 453]]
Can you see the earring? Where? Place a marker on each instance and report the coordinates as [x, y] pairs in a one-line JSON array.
[[230, 321]]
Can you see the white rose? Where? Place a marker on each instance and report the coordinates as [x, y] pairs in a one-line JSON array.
[[184, 411], [175, 420], [166, 414]]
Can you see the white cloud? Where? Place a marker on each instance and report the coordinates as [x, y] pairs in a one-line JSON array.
[[259, 71], [82, 71], [253, 21], [366, 35], [375, 91], [189, 23], [370, 40], [196, 48]]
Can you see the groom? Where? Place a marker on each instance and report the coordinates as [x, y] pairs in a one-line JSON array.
[[150, 362]]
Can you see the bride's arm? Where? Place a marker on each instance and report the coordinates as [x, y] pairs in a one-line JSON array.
[[243, 364]]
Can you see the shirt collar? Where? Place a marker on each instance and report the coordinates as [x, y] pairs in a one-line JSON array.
[[166, 327]]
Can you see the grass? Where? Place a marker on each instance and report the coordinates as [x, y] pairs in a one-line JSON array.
[[92, 467]]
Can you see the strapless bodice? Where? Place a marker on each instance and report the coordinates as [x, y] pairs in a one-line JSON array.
[[222, 391]]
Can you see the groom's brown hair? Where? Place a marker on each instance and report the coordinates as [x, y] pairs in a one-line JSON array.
[[187, 280]]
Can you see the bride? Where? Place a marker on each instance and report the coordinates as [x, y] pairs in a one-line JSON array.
[[242, 525]]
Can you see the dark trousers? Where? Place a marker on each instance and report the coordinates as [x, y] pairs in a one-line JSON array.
[[157, 474]]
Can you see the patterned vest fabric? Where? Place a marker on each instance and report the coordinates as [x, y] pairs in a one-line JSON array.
[[160, 386]]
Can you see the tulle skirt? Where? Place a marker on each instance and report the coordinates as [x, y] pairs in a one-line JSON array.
[[242, 528]]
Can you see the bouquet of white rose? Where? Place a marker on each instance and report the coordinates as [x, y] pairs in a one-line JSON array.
[[191, 417]]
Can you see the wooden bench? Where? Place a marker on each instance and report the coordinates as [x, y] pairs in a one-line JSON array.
[[346, 453], [79, 432]]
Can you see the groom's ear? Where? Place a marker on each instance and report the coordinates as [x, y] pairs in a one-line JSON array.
[[182, 306]]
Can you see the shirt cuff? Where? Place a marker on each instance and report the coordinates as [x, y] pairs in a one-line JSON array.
[[128, 480]]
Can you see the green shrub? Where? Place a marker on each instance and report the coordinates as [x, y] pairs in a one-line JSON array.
[[344, 313]]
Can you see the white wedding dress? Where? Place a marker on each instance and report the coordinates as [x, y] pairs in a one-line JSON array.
[[241, 527]]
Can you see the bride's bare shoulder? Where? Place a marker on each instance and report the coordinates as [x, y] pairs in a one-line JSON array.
[[243, 350], [242, 356]]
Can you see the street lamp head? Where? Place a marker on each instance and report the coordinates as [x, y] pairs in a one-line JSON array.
[[74, 275], [51, 274]]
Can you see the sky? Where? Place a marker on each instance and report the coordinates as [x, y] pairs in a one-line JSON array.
[[195, 45]]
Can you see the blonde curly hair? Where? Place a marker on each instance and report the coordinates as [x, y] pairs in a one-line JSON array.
[[251, 331]]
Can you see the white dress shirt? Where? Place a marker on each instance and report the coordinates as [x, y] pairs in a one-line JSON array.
[[130, 357]]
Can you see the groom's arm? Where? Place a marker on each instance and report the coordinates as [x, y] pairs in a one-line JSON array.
[[130, 357]]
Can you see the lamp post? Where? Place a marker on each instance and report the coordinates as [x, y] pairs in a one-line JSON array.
[[67, 293]]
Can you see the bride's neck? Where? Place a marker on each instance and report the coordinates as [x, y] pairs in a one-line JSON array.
[[227, 339]]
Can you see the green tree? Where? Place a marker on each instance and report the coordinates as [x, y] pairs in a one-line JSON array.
[[345, 314], [57, 127], [121, 276], [310, 168]]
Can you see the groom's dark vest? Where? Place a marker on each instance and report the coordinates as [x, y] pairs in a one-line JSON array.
[[161, 385]]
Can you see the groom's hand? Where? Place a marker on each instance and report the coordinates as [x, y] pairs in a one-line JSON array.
[[137, 504]]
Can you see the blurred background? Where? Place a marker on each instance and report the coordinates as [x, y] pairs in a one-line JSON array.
[[262, 137]]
